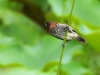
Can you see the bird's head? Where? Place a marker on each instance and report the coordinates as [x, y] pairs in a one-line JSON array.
[[50, 24]]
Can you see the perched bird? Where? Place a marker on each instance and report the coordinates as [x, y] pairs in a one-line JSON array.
[[58, 30]]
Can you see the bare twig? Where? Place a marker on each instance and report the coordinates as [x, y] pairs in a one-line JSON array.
[[64, 42]]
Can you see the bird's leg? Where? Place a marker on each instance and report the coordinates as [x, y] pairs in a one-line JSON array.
[[63, 45]]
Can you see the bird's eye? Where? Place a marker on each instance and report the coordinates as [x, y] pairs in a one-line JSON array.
[[45, 24]]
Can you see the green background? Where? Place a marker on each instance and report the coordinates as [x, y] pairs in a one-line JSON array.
[[26, 47]]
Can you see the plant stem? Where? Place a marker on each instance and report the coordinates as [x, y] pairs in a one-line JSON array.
[[58, 71], [69, 21], [64, 42]]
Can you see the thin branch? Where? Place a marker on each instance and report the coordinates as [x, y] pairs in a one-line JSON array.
[[64, 42], [69, 21]]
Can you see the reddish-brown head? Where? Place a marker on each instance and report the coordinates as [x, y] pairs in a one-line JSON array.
[[51, 24]]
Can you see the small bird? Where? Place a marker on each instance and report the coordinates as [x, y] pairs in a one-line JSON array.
[[58, 30]]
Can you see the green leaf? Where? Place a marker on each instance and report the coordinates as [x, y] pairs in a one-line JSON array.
[[21, 27], [96, 38], [48, 50], [22, 71], [58, 6], [74, 68], [90, 13]]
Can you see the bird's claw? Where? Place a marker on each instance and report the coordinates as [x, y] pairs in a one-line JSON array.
[[63, 45]]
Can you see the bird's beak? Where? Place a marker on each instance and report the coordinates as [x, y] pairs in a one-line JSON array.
[[45, 24]]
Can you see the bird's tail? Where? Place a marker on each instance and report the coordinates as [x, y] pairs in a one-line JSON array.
[[81, 39]]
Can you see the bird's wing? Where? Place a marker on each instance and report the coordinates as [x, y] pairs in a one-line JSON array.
[[70, 29], [65, 27]]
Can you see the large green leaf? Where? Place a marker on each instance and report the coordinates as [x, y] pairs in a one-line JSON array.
[[74, 68], [16, 24], [58, 6], [90, 13], [91, 33], [96, 38], [48, 50], [22, 71]]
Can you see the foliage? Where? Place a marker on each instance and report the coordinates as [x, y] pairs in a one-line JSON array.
[[27, 49]]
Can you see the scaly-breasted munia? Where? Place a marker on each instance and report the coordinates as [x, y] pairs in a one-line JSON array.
[[58, 30]]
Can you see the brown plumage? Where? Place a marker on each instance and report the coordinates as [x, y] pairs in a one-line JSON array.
[[58, 30]]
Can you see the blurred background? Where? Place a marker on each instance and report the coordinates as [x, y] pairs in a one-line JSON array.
[[26, 47]]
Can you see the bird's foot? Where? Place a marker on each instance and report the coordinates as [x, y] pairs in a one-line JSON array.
[[63, 45]]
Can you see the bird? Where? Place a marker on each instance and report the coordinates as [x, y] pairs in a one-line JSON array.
[[58, 30]]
